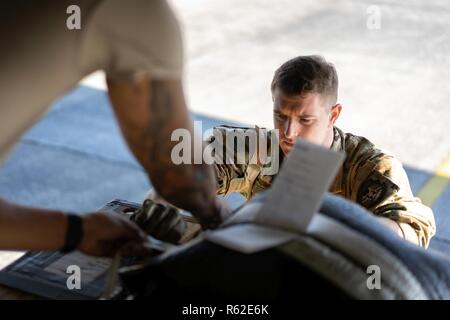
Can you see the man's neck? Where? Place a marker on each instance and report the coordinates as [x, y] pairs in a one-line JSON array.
[[329, 138]]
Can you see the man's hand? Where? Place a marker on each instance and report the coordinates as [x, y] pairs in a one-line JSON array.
[[391, 225], [222, 212], [106, 233], [403, 230], [161, 221]]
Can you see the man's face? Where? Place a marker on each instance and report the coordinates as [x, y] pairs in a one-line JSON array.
[[303, 117]]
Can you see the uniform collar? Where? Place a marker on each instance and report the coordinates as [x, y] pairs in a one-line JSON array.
[[338, 140]]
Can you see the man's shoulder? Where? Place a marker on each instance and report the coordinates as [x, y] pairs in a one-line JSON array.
[[359, 148], [364, 158], [370, 168], [351, 141]]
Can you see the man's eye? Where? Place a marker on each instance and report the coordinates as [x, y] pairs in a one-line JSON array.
[[279, 116], [307, 121]]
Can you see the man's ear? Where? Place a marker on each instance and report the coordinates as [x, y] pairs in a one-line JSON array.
[[335, 111]]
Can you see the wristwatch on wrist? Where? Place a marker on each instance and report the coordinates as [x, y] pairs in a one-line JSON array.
[[74, 232]]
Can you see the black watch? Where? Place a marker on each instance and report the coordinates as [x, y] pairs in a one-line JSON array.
[[74, 233]]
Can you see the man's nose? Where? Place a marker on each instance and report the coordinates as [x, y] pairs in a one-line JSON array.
[[291, 129]]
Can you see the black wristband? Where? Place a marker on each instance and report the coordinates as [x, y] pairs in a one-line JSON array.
[[74, 232]]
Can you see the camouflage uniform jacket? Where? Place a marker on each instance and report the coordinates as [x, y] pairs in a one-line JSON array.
[[368, 176]]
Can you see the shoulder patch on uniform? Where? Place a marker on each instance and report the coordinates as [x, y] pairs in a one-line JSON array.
[[375, 190]]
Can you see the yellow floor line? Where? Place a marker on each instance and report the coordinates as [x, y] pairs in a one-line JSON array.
[[431, 191]]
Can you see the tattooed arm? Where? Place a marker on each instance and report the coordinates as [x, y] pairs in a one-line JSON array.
[[148, 111]]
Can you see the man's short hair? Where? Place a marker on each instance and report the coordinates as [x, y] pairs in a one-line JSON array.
[[307, 74]]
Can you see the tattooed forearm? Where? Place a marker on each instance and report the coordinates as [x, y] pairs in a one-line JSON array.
[[188, 186], [161, 109]]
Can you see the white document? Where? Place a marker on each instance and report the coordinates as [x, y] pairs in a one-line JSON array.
[[298, 189], [8, 257], [290, 204], [249, 238]]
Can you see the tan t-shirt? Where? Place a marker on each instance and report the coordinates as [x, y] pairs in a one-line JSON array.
[[41, 58]]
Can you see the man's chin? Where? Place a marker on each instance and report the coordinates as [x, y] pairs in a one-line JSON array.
[[286, 149]]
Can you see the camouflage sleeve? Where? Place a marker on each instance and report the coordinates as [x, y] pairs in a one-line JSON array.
[[382, 186], [234, 172], [225, 174]]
